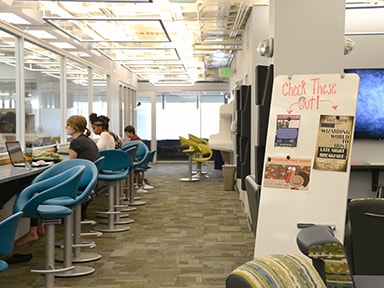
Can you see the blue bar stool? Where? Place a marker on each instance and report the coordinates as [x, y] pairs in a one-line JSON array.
[[30, 202], [119, 206], [120, 196], [8, 228], [72, 223], [98, 162], [141, 155], [114, 169], [131, 150], [141, 169]]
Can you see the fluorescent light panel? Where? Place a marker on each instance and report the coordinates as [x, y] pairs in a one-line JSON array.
[[105, 29], [63, 45], [41, 34], [156, 68], [13, 19], [133, 55]]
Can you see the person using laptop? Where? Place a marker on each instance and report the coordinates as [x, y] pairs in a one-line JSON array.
[[81, 146]]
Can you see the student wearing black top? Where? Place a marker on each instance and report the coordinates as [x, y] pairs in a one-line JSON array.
[[81, 146]]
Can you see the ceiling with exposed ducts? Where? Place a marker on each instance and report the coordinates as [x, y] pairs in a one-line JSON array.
[[165, 42]]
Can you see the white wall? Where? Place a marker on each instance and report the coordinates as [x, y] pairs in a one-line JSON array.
[[367, 53]]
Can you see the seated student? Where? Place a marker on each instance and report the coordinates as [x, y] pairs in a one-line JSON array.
[[131, 133], [81, 146], [100, 126]]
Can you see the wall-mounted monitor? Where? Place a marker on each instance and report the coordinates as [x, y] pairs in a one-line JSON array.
[[369, 122]]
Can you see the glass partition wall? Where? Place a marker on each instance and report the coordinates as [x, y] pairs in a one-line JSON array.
[[7, 89], [42, 94], [40, 88]]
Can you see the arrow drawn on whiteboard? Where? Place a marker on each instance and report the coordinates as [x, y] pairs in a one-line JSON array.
[[334, 105], [290, 109], [310, 107]]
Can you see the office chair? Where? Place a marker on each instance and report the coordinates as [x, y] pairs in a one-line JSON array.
[[364, 236], [253, 195], [327, 254]]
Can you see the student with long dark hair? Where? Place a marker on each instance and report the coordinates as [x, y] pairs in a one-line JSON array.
[[108, 139]]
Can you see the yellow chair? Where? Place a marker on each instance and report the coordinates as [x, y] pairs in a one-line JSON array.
[[205, 154], [190, 151], [198, 139]]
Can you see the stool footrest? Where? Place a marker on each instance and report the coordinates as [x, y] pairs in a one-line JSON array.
[[108, 212], [52, 221], [97, 234], [120, 206], [53, 270], [91, 222], [89, 245]]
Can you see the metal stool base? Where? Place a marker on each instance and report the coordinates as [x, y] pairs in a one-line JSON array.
[[78, 271]]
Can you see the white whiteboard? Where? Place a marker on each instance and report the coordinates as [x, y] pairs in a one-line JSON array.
[[311, 122]]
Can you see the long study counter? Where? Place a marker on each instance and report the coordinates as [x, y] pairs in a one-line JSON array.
[[15, 179]]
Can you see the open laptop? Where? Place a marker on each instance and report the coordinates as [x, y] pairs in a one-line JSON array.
[[16, 155]]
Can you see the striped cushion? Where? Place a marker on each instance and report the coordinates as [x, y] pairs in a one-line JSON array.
[[336, 267], [275, 271]]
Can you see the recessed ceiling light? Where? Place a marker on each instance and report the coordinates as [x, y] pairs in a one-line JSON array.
[[42, 34], [80, 54], [13, 19], [63, 45]]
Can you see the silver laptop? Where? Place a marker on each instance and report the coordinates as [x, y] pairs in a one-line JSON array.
[[16, 155]]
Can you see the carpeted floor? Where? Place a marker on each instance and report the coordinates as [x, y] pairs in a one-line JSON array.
[[189, 234]]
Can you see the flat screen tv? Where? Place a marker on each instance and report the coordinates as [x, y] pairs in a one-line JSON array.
[[369, 122]]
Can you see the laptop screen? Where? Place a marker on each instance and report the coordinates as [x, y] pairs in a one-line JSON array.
[[15, 153]]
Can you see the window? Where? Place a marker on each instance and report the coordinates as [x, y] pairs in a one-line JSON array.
[[178, 114]]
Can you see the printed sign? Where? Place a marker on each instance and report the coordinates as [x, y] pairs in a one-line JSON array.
[[287, 130], [333, 142], [283, 173]]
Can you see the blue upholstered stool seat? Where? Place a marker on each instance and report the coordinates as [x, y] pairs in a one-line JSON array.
[[48, 212], [8, 228]]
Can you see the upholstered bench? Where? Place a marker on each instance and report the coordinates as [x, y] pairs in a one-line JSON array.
[[287, 270]]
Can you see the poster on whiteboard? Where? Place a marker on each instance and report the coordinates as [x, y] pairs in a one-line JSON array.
[[287, 130], [291, 174], [333, 142]]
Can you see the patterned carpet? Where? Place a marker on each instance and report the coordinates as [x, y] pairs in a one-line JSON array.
[[189, 234]]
